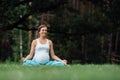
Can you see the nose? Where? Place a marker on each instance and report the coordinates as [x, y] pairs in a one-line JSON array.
[[44, 31]]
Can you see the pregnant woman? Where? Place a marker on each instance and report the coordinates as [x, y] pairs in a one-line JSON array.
[[41, 50]]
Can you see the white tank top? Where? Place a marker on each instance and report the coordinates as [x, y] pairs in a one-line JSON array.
[[41, 54]]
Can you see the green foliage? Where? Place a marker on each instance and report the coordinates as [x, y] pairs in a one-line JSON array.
[[16, 43], [5, 46]]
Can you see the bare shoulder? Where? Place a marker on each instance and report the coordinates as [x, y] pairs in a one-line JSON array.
[[50, 41], [34, 42]]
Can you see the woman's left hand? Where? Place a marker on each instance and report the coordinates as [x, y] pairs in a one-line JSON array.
[[64, 61]]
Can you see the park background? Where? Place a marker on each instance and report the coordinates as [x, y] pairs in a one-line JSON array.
[[83, 31]]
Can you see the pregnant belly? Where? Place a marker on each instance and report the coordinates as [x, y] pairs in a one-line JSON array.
[[42, 58]]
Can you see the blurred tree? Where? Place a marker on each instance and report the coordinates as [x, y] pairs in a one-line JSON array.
[[21, 14], [80, 29]]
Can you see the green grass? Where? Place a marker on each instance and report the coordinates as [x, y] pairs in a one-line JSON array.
[[72, 72]]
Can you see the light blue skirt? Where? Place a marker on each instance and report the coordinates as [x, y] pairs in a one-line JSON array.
[[49, 63]]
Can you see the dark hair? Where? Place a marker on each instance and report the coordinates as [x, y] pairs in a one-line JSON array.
[[41, 26]]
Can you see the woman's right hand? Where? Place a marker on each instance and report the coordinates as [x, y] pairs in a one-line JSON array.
[[23, 59]]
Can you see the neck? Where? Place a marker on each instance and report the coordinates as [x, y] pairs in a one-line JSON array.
[[42, 38]]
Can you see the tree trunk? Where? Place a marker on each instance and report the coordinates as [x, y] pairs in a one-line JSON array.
[[36, 34], [113, 60], [89, 6], [102, 43], [116, 42], [73, 3], [21, 47], [77, 4], [30, 38], [109, 48], [83, 50]]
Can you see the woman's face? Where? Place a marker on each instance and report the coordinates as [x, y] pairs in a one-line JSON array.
[[43, 31]]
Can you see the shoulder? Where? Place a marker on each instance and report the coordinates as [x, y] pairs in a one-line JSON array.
[[34, 42], [50, 42]]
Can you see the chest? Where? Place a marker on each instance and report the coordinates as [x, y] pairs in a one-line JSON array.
[[42, 47]]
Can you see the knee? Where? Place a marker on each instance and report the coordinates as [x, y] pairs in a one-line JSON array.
[[58, 63]]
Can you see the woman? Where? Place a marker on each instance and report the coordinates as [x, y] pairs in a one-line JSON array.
[[40, 50]]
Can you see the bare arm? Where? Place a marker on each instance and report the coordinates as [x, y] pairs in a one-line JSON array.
[[53, 54], [30, 55]]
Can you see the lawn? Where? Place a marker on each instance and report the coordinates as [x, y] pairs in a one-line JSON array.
[[71, 72]]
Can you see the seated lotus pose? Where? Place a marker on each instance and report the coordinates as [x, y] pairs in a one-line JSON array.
[[41, 49]]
